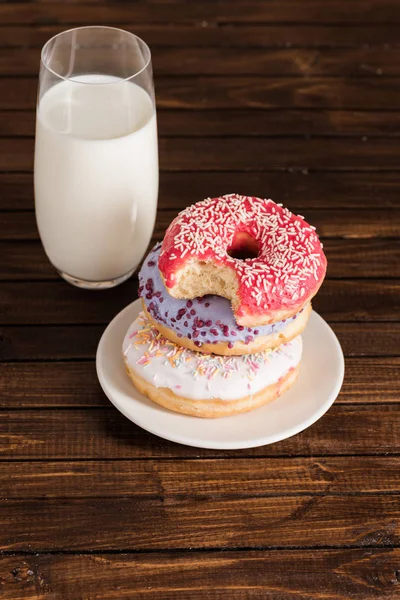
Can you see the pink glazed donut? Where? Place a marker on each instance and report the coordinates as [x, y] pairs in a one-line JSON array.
[[268, 262]]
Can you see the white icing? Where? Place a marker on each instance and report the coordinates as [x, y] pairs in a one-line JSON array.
[[227, 378]]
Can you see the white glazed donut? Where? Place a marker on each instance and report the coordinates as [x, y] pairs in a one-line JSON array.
[[206, 385]]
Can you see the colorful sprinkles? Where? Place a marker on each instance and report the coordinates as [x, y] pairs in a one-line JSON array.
[[204, 365]]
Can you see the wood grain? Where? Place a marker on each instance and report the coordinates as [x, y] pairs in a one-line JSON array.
[[80, 342], [73, 524], [57, 303], [205, 93], [25, 261], [54, 343], [106, 434], [209, 35], [297, 62], [367, 258], [245, 154], [285, 574], [200, 478], [74, 384], [231, 123], [298, 101], [276, 122], [47, 385], [299, 191], [336, 11], [330, 223]]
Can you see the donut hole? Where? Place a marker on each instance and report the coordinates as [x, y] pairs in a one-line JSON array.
[[243, 246]]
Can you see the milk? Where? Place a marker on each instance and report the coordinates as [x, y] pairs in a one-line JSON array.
[[96, 176]]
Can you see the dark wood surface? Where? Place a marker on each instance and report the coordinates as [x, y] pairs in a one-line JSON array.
[[298, 100]]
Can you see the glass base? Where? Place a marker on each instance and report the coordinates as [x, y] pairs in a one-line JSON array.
[[95, 285]]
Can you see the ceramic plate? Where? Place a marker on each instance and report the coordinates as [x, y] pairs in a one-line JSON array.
[[319, 383]]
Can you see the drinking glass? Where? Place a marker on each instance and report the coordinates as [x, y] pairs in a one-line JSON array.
[[96, 156]]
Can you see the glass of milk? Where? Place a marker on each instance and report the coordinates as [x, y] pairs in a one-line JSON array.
[[96, 157]]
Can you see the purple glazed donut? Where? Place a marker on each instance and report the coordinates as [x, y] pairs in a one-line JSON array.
[[207, 324]]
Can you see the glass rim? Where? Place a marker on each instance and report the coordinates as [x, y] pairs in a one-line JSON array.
[[106, 27]]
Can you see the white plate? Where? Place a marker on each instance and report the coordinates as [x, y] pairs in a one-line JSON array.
[[319, 383]]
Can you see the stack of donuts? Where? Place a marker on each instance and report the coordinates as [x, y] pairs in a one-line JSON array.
[[225, 298]]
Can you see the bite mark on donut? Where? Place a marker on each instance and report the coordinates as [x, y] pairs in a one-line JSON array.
[[200, 278]]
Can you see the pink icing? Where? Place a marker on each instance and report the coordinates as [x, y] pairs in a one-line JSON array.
[[290, 264]]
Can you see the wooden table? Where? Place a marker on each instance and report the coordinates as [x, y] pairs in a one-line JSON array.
[[297, 100]]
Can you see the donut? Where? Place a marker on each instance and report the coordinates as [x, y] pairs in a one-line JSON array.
[[267, 261], [206, 385], [207, 324]]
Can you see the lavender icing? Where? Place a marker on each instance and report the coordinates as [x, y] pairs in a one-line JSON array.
[[205, 320]]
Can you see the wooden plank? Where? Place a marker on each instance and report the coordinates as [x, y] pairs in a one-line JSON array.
[[233, 36], [332, 223], [16, 154], [55, 343], [144, 524], [246, 154], [373, 380], [22, 123], [283, 574], [200, 478], [257, 92], [336, 11], [252, 154], [106, 434], [66, 384], [75, 384], [347, 257], [80, 342], [224, 122], [25, 261], [230, 123], [370, 300], [16, 191], [205, 93], [362, 258], [18, 226], [298, 191], [301, 62], [100, 306], [57, 303]]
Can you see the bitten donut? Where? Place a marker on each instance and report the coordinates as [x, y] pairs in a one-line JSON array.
[[207, 324], [268, 262], [205, 385]]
